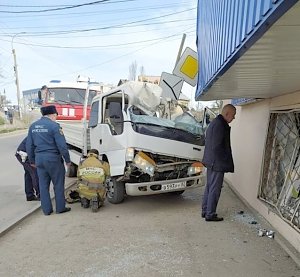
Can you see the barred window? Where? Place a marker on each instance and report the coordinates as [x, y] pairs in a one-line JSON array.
[[280, 184]]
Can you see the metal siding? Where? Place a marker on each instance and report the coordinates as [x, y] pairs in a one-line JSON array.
[[226, 29], [251, 19], [235, 26], [267, 5], [245, 19], [218, 57], [239, 25], [258, 13], [223, 28], [210, 35], [215, 37], [229, 13]]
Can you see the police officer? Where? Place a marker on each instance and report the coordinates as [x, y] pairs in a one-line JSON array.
[[46, 148], [32, 190]]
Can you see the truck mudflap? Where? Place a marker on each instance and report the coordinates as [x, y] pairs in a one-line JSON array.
[[157, 187]]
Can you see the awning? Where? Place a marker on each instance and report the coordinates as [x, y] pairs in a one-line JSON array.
[[271, 67]]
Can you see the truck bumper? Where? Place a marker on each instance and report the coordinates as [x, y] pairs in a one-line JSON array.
[[157, 187]]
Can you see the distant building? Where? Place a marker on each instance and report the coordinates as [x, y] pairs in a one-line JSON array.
[[149, 79], [30, 97]]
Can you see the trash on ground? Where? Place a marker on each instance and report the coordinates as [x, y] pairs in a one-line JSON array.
[[262, 232], [270, 234]]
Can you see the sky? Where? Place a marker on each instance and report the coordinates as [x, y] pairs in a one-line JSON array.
[[59, 40]]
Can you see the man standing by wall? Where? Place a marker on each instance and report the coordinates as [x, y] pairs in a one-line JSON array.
[[218, 160], [46, 148]]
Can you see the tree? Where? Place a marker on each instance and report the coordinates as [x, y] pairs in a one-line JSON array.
[[142, 71], [132, 71]]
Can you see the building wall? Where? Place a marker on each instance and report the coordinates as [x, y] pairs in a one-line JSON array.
[[248, 135]]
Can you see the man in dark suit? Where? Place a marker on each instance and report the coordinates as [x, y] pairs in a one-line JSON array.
[[218, 160]]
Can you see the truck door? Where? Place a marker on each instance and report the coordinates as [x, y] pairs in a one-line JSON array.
[[107, 128]]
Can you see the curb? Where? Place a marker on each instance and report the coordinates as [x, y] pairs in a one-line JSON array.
[[14, 222], [14, 133]]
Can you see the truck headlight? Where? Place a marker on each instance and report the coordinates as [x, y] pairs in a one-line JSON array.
[[129, 154], [144, 163], [195, 169]]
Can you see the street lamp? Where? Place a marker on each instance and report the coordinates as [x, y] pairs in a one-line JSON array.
[[16, 73]]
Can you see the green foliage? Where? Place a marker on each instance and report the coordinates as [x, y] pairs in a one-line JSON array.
[[2, 120]]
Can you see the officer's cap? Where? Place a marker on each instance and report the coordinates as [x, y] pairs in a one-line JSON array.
[[48, 110]]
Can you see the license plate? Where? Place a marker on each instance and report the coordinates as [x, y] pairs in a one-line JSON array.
[[178, 185]]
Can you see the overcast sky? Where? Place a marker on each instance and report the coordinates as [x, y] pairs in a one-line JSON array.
[[99, 39]]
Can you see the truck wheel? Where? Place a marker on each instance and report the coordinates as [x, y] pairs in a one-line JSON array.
[[72, 170], [115, 191]]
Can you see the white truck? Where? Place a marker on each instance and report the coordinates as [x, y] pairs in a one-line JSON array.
[[147, 152]]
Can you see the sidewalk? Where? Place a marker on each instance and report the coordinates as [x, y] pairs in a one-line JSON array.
[[17, 124], [161, 235]]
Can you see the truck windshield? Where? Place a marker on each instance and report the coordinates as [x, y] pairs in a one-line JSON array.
[[69, 96], [184, 127]]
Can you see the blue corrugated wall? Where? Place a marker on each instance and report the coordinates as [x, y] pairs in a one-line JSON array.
[[226, 29]]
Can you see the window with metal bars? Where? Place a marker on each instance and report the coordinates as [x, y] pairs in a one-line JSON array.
[[280, 183]]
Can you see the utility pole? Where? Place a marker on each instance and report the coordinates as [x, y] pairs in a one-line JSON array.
[[16, 74], [180, 49]]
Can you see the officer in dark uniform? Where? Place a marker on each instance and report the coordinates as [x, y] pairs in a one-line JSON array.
[[46, 148], [32, 190]]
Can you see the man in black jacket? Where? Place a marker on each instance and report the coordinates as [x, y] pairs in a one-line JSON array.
[[218, 160], [32, 189]]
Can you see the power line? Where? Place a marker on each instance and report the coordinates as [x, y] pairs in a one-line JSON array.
[[106, 27], [121, 56], [85, 13], [95, 46], [66, 7], [131, 26]]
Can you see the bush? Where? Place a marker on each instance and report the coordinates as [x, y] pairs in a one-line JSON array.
[[2, 120]]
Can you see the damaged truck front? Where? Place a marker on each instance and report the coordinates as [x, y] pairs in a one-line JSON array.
[[151, 145]]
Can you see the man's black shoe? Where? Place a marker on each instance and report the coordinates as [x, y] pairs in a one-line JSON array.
[[214, 218], [67, 209], [32, 198], [203, 215], [49, 213]]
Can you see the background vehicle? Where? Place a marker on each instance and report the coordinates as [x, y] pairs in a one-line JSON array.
[[69, 98], [147, 153]]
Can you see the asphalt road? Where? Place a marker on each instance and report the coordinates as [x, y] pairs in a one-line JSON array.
[[148, 236], [13, 202]]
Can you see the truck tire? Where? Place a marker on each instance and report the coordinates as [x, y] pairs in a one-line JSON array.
[[115, 191], [72, 170]]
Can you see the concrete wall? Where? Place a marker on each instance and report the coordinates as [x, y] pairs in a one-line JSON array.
[[248, 135]]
